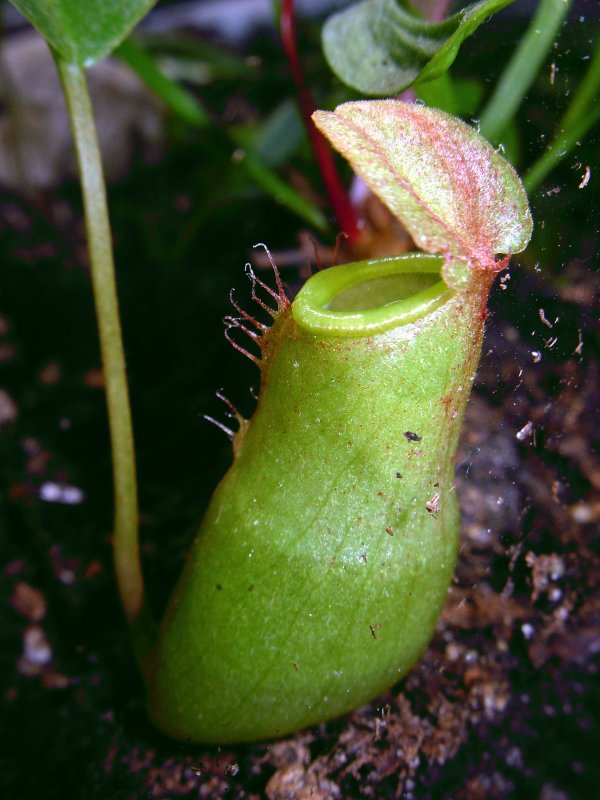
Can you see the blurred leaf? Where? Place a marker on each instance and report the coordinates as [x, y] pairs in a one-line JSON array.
[[587, 93], [181, 102], [282, 192], [521, 70], [452, 191], [185, 106], [83, 32], [276, 6], [581, 116], [562, 145], [277, 137], [458, 96], [381, 46], [196, 61]]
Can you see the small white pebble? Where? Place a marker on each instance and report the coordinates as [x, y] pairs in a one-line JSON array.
[[527, 630], [52, 492], [36, 648]]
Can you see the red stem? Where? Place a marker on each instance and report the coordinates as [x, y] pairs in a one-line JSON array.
[[340, 202]]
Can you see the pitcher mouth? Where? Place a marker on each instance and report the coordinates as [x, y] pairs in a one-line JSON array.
[[369, 297]]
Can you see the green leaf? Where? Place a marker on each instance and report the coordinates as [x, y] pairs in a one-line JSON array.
[[277, 137], [453, 192], [83, 32], [459, 96], [381, 46]]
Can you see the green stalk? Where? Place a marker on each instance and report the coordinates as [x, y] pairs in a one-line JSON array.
[[522, 69], [125, 542]]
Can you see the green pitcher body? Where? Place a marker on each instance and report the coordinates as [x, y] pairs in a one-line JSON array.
[[323, 560]]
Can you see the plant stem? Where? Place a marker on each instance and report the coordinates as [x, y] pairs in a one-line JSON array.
[[125, 541], [340, 202], [522, 69]]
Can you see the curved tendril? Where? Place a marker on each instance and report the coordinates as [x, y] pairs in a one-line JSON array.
[[233, 412], [259, 325], [227, 431], [254, 280], [228, 326], [236, 322], [280, 296]]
